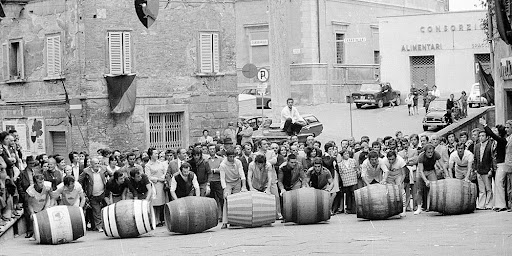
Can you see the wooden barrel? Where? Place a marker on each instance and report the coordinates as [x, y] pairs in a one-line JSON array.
[[59, 224], [306, 206], [452, 196], [128, 218], [191, 214], [378, 202], [251, 209]]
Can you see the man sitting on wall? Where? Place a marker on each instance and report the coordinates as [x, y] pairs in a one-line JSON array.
[[291, 121]]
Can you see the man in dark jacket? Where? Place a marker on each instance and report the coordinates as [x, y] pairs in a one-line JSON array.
[[24, 181], [483, 166], [93, 180], [202, 170]]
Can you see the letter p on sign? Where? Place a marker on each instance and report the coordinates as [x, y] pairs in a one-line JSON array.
[[263, 75]]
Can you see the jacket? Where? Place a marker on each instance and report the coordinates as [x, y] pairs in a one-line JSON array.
[[483, 167], [86, 179]]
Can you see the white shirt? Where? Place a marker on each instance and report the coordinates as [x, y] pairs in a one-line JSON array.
[[174, 184], [293, 114], [97, 186], [461, 165]]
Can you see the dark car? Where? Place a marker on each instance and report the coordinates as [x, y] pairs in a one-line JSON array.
[[437, 116], [376, 95], [273, 133], [267, 100]]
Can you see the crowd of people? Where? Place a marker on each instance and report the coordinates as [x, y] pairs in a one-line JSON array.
[[219, 167]]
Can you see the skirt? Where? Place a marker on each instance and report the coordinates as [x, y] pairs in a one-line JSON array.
[[336, 187], [160, 194]]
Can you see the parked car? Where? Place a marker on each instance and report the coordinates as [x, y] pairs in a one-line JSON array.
[[256, 121], [267, 100], [436, 116], [474, 98], [377, 95], [274, 133]]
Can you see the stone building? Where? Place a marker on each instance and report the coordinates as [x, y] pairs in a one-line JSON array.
[[128, 85], [333, 44], [441, 49]]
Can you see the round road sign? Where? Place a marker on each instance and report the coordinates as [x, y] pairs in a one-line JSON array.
[[249, 70], [263, 75]]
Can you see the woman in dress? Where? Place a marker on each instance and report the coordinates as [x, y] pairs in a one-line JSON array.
[[348, 174], [155, 170]]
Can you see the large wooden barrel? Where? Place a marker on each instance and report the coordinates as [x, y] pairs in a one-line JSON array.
[[128, 218], [452, 196], [59, 224], [251, 209], [191, 214], [306, 206], [378, 202]]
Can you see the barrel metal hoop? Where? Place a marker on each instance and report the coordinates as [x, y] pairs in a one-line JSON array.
[[144, 202]]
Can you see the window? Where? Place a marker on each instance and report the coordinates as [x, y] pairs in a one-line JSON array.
[[166, 130], [209, 55], [119, 52], [12, 60], [59, 143], [376, 57], [53, 56], [340, 48]]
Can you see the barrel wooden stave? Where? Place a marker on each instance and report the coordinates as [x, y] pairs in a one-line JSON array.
[[378, 202], [190, 215], [251, 209], [306, 206], [59, 224], [128, 218], [452, 196]]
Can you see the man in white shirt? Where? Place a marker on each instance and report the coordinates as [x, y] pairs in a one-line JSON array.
[[436, 92], [291, 121], [461, 163], [373, 168]]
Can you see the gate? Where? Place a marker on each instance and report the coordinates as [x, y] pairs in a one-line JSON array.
[[422, 72]]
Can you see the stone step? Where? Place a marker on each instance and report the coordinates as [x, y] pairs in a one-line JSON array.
[[13, 228]]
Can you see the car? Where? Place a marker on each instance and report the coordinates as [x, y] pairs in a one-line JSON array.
[[436, 115], [256, 121], [267, 100], [474, 98], [273, 132], [376, 95]]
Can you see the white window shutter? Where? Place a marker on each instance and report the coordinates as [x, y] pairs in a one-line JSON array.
[[206, 58], [115, 43], [127, 57], [216, 55], [50, 58], [21, 60], [5, 62], [57, 56]]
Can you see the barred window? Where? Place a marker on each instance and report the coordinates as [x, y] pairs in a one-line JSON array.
[[166, 130], [340, 48]]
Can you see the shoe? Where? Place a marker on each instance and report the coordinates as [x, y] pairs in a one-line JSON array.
[[100, 230], [500, 209], [402, 215], [279, 217], [29, 235], [160, 225], [509, 210], [32, 239], [418, 211], [224, 226], [332, 213], [408, 209]]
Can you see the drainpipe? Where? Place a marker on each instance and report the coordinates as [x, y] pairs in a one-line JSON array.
[[318, 29]]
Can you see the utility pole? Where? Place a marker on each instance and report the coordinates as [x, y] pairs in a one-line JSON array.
[[279, 55]]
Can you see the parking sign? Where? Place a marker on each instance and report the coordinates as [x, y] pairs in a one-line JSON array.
[[263, 75]]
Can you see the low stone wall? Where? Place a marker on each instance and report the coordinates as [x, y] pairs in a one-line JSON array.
[[470, 123]]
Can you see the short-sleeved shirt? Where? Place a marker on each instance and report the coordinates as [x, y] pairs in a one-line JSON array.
[[71, 198], [428, 163], [114, 188], [318, 180], [395, 169], [38, 200], [370, 172], [139, 188]]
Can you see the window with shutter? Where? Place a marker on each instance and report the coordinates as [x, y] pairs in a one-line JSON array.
[[15, 60], [209, 54], [120, 57], [5, 62], [53, 56]]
